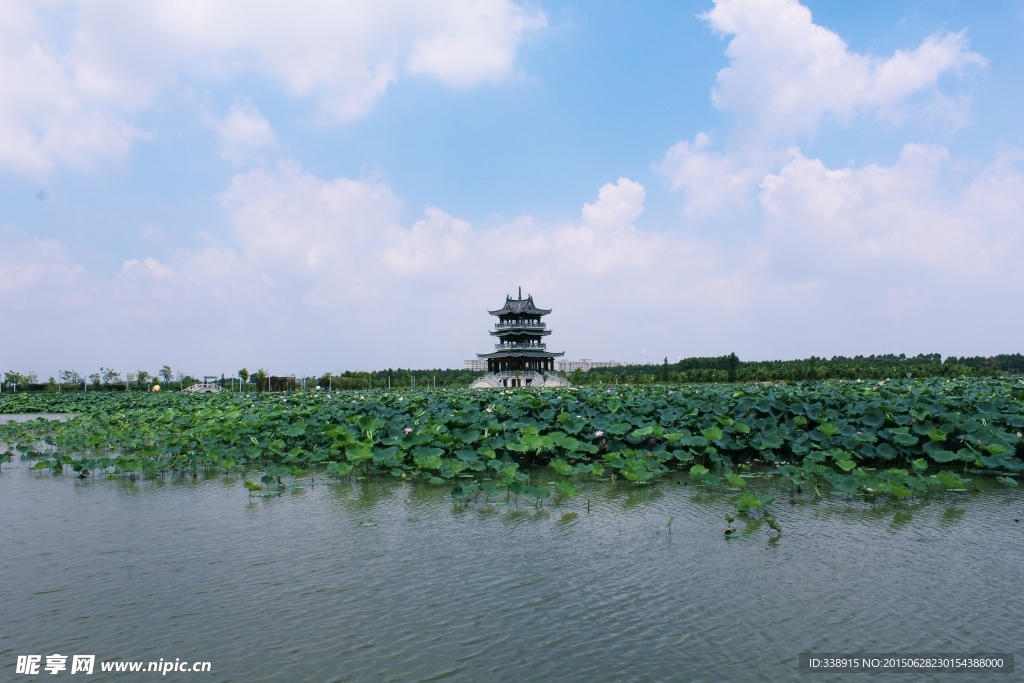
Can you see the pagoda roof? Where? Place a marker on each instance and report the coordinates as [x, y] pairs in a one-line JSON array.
[[520, 306], [520, 332], [521, 353]]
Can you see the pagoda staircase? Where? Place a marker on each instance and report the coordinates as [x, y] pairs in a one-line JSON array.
[[507, 379]]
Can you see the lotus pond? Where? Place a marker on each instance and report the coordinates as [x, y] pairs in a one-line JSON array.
[[464, 536], [895, 440]]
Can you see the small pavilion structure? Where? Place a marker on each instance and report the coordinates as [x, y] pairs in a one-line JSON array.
[[520, 357]]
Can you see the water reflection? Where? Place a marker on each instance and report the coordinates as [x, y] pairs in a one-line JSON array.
[[376, 579]]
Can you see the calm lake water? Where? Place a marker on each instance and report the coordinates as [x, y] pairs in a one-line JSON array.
[[25, 417], [375, 580]]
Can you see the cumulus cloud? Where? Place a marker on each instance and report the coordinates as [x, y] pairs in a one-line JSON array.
[[895, 253], [244, 133], [76, 72], [296, 224], [152, 266], [849, 260], [786, 78], [710, 179], [787, 74], [896, 218], [324, 265], [433, 245], [51, 112]]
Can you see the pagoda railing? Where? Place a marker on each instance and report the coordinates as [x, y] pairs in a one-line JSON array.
[[523, 323], [519, 345]]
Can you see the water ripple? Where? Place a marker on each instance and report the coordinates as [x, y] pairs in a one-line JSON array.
[[294, 588]]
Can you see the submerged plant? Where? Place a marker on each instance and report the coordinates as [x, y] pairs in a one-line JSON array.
[[252, 486], [889, 441]]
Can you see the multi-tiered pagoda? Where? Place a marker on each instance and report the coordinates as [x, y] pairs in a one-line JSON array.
[[520, 357]]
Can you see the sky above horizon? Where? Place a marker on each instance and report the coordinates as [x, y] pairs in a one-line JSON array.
[[324, 186]]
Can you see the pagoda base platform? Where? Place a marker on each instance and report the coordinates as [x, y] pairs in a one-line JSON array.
[[506, 379]]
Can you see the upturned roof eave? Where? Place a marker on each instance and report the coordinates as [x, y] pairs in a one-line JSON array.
[[525, 307], [521, 353], [527, 333], [525, 311]]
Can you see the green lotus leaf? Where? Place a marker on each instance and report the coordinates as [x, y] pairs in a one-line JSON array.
[[750, 500], [828, 429], [898, 490], [712, 433], [905, 439], [942, 456], [561, 466], [735, 479], [566, 489], [295, 430], [358, 453], [950, 479]]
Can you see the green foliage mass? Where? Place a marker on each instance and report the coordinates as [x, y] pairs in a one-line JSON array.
[[731, 369], [852, 437]]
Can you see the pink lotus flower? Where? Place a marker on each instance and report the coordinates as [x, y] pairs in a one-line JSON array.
[[599, 433], [488, 410], [408, 430]]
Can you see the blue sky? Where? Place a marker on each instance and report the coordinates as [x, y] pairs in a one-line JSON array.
[[323, 186]]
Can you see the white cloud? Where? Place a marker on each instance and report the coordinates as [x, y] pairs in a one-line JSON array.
[[51, 112], [895, 217], [433, 245], [32, 267], [76, 72], [153, 234], [244, 133], [152, 266], [327, 269], [324, 274], [293, 223], [471, 42], [786, 77], [709, 179], [617, 206], [787, 74]]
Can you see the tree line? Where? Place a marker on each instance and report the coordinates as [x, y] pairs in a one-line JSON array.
[[731, 369], [700, 370]]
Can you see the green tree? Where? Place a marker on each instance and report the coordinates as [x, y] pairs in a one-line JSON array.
[[166, 374], [19, 380]]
